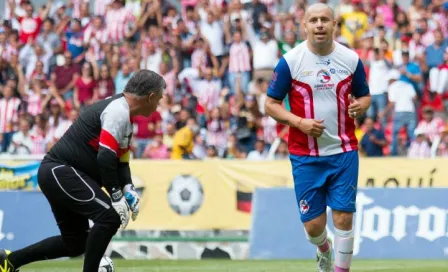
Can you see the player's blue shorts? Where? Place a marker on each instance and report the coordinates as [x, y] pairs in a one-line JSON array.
[[325, 181]]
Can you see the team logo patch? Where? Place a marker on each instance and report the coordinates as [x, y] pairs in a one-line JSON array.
[[304, 207], [333, 71], [323, 76]]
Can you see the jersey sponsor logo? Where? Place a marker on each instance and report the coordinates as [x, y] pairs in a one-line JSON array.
[[323, 76], [306, 73], [304, 207], [324, 62], [338, 71]]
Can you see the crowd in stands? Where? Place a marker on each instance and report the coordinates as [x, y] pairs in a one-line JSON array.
[[216, 57]]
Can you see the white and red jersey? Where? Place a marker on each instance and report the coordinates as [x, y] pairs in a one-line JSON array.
[[9, 114], [94, 38], [118, 23], [318, 88], [431, 129], [100, 6], [239, 58]]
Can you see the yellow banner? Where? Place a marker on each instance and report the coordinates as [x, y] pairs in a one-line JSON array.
[[216, 194]]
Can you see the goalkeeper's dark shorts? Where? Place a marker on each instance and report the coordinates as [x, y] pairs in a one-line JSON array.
[[73, 196]]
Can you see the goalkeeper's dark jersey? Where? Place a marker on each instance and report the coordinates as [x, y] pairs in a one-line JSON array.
[[98, 143]]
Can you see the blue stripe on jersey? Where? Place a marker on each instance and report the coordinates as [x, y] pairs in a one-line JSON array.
[[281, 82], [360, 87]]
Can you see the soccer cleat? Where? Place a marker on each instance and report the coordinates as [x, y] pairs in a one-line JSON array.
[[324, 263], [5, 265]]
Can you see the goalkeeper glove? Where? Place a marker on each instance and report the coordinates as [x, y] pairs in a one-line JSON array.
[[121, 206], [133, 199]]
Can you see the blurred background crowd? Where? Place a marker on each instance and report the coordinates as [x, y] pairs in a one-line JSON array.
[[217, 58]]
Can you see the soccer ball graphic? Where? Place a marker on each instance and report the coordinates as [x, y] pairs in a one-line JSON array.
[[185, 195], [106, 265]]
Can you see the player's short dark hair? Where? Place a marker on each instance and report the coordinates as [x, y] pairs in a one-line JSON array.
[[145, 82]]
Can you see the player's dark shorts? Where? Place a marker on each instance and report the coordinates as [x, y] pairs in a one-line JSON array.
[[73, 196], [325, 181]]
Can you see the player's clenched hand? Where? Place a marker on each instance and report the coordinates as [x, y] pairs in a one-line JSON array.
[[354, 109], [121, 207], [312, 127], [133, 199]]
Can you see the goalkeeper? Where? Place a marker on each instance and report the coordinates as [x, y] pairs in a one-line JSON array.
[[92, 154]]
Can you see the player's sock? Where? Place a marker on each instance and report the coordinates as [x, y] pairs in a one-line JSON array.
[[320, 241], [343, 244], [99, 238], [50, 248]]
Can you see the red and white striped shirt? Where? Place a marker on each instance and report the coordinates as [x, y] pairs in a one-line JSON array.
[[9, 114], [431, 129], [39, 141], [239, 60], [76, 13], [99, 7], [94, 38], [118, 23], [419, 150], [208, 93], [7, 51], [199, 59], [217, 134], [34, 104]]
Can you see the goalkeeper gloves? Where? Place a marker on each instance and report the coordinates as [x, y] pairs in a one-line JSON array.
[[132, 199], [121, 206]]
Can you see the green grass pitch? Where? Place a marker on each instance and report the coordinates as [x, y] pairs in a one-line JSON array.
[[241, 266]]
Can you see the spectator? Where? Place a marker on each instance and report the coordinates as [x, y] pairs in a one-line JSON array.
[[106, 86], [419, 148], [86, 88], [146, 129], [379, 69], [9, 116], [64, 77], [122, 78], [435, 52], [239, 62], [373, 141], [259, 153], [430, 126], [411, 72], [183, 140], [402, 97], [199, 149], [212, 153], [74, 38], [29, 24], [438, 77], [22, 143], [156, 149], [282, 152]]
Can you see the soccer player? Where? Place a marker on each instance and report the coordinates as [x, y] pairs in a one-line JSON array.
[[327, 88], [94, 152]]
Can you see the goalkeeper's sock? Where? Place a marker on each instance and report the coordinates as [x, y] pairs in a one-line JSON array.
[[320, 241], [50, 248], [99, 238], [343, 245]]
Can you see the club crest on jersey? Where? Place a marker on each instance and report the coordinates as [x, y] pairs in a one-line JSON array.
[[323, 76], [304, 207]]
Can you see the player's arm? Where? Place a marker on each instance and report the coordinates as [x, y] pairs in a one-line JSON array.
[[113, 126], [360, 91], [277, 91], [128, 188], [124, 171]]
